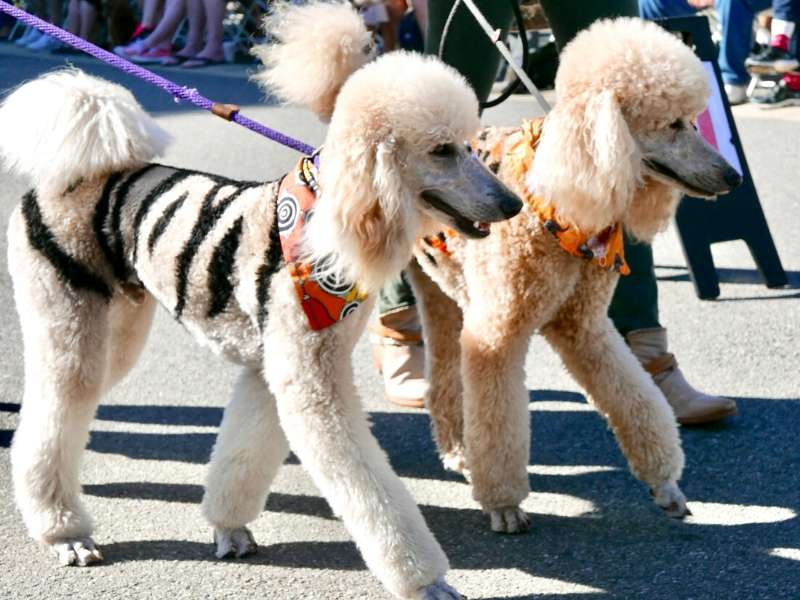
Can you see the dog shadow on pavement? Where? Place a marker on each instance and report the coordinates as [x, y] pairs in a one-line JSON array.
[[593, 524]]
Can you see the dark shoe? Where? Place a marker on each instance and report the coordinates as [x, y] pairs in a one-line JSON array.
[[772, 60], [780, 95]]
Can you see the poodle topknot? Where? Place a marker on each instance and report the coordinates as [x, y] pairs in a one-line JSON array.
[[670, 80], [314, 49]]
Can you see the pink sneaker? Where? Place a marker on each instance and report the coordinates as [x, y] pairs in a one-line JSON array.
[[151, 55]]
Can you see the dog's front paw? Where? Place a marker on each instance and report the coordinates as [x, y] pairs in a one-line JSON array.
[[234, 542], [509, 520], [77, 552], [438, 590], [671, 499], [456, 462]]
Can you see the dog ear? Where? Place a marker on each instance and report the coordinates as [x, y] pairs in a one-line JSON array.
[[587, 162], [365, 220]]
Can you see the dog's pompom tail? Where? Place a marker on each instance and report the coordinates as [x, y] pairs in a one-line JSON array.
[[67, 126], [313, 49]]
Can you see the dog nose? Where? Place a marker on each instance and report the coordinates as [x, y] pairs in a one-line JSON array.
[[509, 204], [732, 177]]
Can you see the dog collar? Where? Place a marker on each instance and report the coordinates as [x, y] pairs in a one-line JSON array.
[[605, 248], [325, 299]]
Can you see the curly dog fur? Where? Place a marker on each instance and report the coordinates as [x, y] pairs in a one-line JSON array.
[[105, 235], [617, 148]]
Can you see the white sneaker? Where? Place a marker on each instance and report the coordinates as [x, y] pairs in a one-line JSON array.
[[737, 94], [44, 43], [136, 47], [31, 35]]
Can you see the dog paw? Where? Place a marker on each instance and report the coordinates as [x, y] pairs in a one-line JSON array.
[[671, 499], [438, 590], [77, 552], [509, 520], [456, 462], [234, 542]]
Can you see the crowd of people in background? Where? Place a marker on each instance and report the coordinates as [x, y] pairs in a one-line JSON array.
[[740, 52], [189, 33]]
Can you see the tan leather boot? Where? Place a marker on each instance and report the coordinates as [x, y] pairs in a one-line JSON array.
[[399, 356], [691, 406]]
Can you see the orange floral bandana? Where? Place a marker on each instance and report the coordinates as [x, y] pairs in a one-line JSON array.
[[325, 299], [604, 248]]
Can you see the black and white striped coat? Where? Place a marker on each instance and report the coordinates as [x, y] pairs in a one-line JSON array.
[[204, 245]]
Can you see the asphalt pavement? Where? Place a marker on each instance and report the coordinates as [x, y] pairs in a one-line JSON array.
[[595, 532]]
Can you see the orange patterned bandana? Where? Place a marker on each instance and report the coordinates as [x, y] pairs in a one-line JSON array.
[[604, 248], [325, 298]]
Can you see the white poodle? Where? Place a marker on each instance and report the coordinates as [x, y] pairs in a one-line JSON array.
[[105, 234]]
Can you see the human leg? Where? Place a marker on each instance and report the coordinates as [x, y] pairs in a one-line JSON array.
[[634, 311], [634, 304], [737, 17], [88, 13], [158, 43], [397, 344], [466, 47], [662, 9], [212, 50]]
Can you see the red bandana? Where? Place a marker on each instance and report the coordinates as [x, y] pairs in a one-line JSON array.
[[325, 298]]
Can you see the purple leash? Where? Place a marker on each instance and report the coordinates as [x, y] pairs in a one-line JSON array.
[[229, 112]]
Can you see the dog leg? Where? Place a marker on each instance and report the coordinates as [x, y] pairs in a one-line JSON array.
[[441, 327], [311, 375], [65, 332], [250, 449], [496, 417], [637, 411], [130, 316]]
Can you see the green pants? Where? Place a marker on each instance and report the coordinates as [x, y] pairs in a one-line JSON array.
[[635, 301]]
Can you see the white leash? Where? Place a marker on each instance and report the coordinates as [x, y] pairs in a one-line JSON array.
[[494, 36]]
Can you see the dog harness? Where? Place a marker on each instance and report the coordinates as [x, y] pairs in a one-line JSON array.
[[325, 298], [604, 248]]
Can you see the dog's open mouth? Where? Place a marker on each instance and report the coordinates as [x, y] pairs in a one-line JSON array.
[[663, 170], [473, 229]]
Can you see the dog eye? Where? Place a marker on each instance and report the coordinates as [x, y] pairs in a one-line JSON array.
[[677, 125], [443, 150], [467, 147]]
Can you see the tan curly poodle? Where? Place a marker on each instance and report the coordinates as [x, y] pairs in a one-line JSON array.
[[617, 151]]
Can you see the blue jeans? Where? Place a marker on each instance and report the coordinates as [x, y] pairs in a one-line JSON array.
[[737, 28], [786, 10]]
